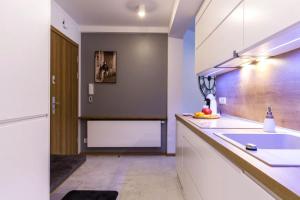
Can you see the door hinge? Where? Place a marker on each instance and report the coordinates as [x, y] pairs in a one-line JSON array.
[[77, 59], [77, 75], [85, 140]]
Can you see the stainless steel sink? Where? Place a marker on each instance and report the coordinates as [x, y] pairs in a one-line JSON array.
[[267, 141], [276, 150]]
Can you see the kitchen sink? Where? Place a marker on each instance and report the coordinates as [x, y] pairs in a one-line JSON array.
[[274, 149], [266, 141]]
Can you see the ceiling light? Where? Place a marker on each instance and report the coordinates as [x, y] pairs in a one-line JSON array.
[[141, 11]]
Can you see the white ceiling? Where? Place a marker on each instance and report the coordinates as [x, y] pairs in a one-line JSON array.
[[118, 12]]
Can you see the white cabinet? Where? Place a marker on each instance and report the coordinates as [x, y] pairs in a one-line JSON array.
[[221, 44], [237, 185], [207, 175], [215, 12], [25, 58], [24, 159], [250, 27], [264, 18], [190, 190], [179, 152]]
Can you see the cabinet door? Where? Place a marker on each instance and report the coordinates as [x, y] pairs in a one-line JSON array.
[[190, 162], [263, 18], [221, 44], [198, 27], [239, 186], [179, 132], [24, 60], [212, 17], [204, 166], [24, 159]]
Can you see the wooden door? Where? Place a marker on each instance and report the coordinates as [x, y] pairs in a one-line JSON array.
[[64, 94]]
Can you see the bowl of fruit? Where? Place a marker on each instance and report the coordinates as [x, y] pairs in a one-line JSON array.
[[206, 113]]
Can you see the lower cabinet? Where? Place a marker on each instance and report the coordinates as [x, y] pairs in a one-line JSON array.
[[205, 174]]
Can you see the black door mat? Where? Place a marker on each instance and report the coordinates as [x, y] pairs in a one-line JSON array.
[[61, 167], [91, 195]]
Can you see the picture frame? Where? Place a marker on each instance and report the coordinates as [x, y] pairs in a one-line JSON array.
[[105, 66]]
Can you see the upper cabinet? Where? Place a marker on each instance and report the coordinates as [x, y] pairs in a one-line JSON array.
[[209, 19], [226, 39], [25, 59], [264, 18], [249, 27]]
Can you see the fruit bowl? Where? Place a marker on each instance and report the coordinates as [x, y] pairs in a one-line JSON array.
[[201, 115]]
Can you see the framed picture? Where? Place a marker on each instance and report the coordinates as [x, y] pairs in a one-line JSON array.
[[105, 66]]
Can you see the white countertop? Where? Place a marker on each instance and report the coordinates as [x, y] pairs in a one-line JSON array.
[[226, 122]]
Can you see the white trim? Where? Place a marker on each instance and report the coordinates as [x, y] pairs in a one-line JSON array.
[[124, 29], [175, 8]]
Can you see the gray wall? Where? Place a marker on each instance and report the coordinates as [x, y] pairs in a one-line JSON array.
[[141, 88]]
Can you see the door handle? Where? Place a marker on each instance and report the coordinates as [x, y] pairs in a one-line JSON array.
[[54, 103]]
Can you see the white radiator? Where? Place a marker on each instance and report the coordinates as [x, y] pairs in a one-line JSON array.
[[124, 134]]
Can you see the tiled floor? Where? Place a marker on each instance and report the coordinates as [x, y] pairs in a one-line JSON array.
[[134, 177]]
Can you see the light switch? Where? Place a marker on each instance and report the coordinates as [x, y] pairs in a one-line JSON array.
[[91, 89]]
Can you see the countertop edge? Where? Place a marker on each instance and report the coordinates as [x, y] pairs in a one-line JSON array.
[[274, 186]]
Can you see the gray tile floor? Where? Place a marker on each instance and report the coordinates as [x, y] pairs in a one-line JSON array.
[[134, 177]]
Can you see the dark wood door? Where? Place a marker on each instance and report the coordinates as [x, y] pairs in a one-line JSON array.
[[64, 94]]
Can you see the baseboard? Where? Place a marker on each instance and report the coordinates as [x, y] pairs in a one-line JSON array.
[[125, 153]]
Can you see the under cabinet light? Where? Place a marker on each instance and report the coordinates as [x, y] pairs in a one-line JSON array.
[[212, 73], [283, 45]]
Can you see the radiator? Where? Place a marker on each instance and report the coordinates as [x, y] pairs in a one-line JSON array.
[[124, 134]]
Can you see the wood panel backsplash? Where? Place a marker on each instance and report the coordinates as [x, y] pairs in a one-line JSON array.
[[274, 82]]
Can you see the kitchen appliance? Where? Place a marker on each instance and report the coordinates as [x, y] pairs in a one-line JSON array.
[[212, 103], [207, 86]]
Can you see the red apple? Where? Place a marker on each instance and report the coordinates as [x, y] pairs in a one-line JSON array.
[[207, 111]]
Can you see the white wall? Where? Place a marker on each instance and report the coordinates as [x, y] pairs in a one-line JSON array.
[[24, 103], [58, 15], [72, 31], [192, 100], [183, 91], [175, 63]]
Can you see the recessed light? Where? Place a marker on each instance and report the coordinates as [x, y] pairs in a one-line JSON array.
[[141, 11]]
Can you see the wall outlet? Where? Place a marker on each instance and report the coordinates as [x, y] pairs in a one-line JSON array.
[[222, 100]]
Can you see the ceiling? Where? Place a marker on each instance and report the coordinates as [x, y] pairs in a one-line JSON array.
[[118, 12], [184, 17]]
